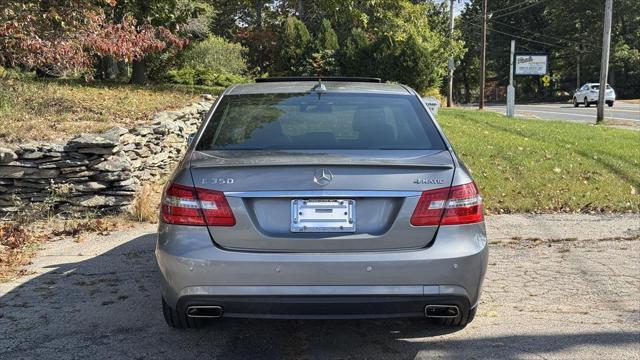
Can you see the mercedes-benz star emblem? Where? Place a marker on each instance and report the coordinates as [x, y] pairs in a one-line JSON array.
[[322, 177]]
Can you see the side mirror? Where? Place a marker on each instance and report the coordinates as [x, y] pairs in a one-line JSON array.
[[190, 139]]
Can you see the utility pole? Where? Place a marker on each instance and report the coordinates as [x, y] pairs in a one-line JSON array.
[[511, 90], [578, 72], [604, 65], [484, 54], [301, 10], [451, 60]]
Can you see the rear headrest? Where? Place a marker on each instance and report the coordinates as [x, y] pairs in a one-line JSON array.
[[270, 134], [368, 119]]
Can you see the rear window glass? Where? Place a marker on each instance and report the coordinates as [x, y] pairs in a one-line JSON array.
[[320, 121]]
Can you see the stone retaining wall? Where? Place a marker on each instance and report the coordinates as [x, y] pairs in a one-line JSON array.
[[96, 172]]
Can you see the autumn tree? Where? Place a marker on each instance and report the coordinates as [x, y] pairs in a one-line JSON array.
[[60, 37]]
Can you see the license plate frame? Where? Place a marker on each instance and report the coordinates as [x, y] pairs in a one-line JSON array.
[[323, 215]]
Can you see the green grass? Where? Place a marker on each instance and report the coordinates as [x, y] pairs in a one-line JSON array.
[[33, 109], [547, 166]]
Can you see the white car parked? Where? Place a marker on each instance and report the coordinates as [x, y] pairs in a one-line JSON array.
[[588, 94]]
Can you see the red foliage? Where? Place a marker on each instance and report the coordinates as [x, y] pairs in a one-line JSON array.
[[63, 36]]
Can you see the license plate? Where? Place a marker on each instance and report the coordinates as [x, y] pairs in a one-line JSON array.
[[323, 215]]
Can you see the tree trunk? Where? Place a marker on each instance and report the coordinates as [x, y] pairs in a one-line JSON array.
[[259, 4], [301, 10], [467, 90], [123, 70], [108, 68], [139, 74]]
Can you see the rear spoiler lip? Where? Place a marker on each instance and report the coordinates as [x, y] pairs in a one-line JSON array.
[[323, 193], [325, 163], [201, 159]]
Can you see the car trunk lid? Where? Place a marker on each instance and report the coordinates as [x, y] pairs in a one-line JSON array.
[[262, 187]]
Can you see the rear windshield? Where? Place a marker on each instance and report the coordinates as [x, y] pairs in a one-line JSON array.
[[341, 121]]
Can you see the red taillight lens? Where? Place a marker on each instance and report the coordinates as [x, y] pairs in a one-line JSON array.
[[180, 206], [461, 204], [215, 207], [430, 207], [185, 205], [464, 206]]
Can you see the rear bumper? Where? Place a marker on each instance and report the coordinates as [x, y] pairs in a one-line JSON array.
[[322, 307], [607, 98], [309, 285]]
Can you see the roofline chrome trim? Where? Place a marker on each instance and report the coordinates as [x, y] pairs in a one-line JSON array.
[[321, 193]]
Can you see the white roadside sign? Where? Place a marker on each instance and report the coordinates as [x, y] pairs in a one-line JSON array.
[[432, 103], [531, 64]]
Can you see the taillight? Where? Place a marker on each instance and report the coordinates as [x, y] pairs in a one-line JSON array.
[[461, 204], [215, 207], [185, 205], [464, 206], [430, 207]]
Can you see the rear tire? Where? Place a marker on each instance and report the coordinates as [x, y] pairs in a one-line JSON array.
[[461, 320], [177, 320], [575, 102], [586, 102], [610, 103]]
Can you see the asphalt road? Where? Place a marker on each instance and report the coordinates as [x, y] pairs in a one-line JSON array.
[[556, 292], [622, 113]]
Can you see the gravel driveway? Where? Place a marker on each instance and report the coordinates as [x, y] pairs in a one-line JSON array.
[[558, 286]]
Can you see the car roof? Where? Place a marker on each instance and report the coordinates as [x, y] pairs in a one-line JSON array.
[[280, 87]]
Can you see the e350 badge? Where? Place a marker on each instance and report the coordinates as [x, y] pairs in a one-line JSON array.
[[217, 181]]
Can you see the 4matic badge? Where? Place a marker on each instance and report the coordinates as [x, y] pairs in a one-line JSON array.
[[428, 181]]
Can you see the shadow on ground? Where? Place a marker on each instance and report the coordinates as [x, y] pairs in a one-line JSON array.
[[109, 307]]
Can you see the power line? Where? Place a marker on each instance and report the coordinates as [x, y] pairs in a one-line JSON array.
[[571, 42], [496, 14], [556, 45], [511, 7], [518, 10], [516, 36]]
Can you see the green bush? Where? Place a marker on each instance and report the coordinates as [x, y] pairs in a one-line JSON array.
[[321, 63], [187, 75], [294, 46], [14, 74], [326, 39], [217, 55], [211, 62]]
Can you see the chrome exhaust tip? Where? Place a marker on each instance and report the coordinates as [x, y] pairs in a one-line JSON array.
[[441, 311], [203, 311]]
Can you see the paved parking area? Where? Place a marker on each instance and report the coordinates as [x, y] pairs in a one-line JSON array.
[[560, 296]]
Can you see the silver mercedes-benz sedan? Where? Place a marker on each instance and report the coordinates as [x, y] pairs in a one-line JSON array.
[[320, 199]]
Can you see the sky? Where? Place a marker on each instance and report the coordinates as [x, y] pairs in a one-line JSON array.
[[458, 5]]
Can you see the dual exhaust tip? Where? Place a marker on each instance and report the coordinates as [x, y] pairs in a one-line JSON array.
[[204, 311], [430, 311], [441, 311]]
